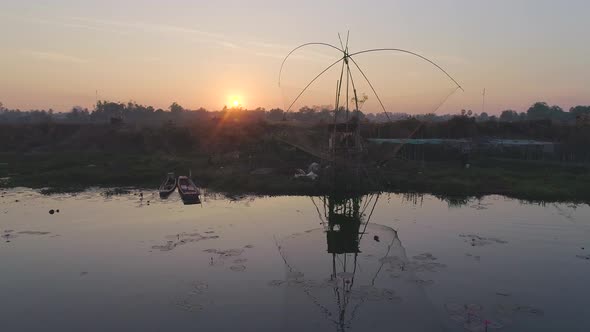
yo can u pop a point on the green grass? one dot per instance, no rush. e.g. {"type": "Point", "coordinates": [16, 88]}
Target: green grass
{"type": "Point", "coordinates": [58, 172]}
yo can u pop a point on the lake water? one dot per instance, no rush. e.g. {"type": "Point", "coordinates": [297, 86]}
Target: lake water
{"type": "Point", "coordinates": [265, 264]}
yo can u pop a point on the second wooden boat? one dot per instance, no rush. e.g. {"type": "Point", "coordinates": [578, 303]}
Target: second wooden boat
{"type": "Point", "coordinates": [188, 190]}
{"type": "Point", "coordinates": [168, 185]}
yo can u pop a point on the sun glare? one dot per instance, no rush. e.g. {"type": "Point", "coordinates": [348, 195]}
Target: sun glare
{"type": "Point", "coordinates": [236, 103]}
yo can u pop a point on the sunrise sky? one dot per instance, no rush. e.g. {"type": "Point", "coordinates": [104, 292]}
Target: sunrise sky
{"type": "Point", "coordinates": [57, 54]}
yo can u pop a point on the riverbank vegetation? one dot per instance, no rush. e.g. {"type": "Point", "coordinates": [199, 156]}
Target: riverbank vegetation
{"type": "Point", "coordinates": [237, 151]}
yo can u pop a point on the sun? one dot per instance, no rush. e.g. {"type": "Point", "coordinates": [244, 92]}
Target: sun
{"type": "Point", "coordinates": [236, 103]}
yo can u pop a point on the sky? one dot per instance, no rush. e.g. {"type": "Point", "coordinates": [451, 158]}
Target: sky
{"type": "Point", "coordinates": [61, 53]}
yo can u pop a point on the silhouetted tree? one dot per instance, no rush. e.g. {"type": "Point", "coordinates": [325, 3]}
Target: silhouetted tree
{"type": "Point", "coordinates": [176, 108]}
{"type": "Point", "coordinates": [275, 114]}
{"type": "Point", "coordinates": [483, 117]}
{"type": "Point", "coordinates": [542, 111]}
{"type": "Point", "coordinates": [509, 116]}
{"type": "Point", "coordinates": [575, 111]}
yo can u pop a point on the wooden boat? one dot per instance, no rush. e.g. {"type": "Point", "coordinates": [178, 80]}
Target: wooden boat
{"type": "Point", "coordinates": [168, 185]}
{"type": "Point", "coordinates": [188, 190]}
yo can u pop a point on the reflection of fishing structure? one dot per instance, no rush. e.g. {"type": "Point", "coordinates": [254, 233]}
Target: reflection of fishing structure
{"type": "Point", "coordinates": [366, 270]}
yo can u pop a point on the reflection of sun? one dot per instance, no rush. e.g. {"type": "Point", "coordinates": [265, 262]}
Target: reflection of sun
{"type": "Point", "coordinates": [236, 103]}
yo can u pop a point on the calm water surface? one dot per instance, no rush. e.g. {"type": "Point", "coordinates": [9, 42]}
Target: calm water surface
{"type": "Point", "coordinates": [291, 264]}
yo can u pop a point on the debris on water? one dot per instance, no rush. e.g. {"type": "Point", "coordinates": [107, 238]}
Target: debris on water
{"type": "Point", "coordinates": [376, 238]}
{"type": "Point", "coordinates": [8, 235]}
{"type": "Point", "coordinates": [425, 257]}
{"type": "Point", "coordinates": [423, 282]}
{"type": "Point", "coordinates": [530, 310]}
{"type": "Point", "coordinates": [198, 287]}
{"type": "Point", "coordinates": [57, 211]}
{"type": "Point", "coordinates": [52, 211]}
{"type": "Point", "coordinates": [423, 263]}
{"type": "Point", "coordinates": [181, 239]}
{"type": "Point", "coordinates": [186, 305]}
{"type": "Point", "coordinates": [276, 283]}
{"type": "Point", "coordinates": [476, 257]}
{"type": "Point", "coordinates": [294, 275]}
{"type": "Point", "coordinates": [230, 252]}
{"type": "Point", "coordinates": [237, 268]}
{"type": "Point", "coordinates": [223, 255]}
{"type": "Point", "coordinates": [502, 293]}
{"type": "Point", "coordinates": [83, 273]}
{"type": "Point", "coordinates": [34, 233]}
{"type": "Point", "coordinates": [371, 293]}
{"type": "Point", "coordinates": [166, 247]}
{"type": "Point", "coordinates": [248, 246]}
{"type": "Point", "coordinates": [216, 262]}
{"type": "Point", "coordinates": [586, 257]}
{"type": "Point", "coordinates": [472, 317]}
{"type": "Point", "coordinates": [478, 241]}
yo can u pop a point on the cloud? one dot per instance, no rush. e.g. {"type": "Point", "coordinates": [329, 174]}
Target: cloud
{"type": "Point", "coordinates": [228, 44]}
{"type": "Point", "coordinates": [69, 24]}
{"type": "Point", "coordinates": [56, 57]}
{"type": "Point", "coordinates": [151, 27]}
{"type": "Point", "coordinates": [255, 48]}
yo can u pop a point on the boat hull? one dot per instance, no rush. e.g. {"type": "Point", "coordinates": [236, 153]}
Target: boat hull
{"type": "Point", "coordinates": [188, 190]}
{"type": "Point", "coordinates": [168, 186]}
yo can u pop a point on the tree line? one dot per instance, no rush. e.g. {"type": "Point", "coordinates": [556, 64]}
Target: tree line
{"type": "Point", "coordinates": [131, 112]}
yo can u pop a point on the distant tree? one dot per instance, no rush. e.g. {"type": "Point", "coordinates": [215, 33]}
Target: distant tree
{"type": "Point", "coordinates": [275, 114]}
{"type": "Point", "coordinates": [483, 117]}
{"type": "Point", "coordinates": [542, 111]}
{"type": "Point", "coordinates": [509, 116]}
{"type": "Point", "coordinates": [176, 108]}
{"type": "Point", "coordinates": [78, 114]}
{"type": "Point", "coordinates": [575, 111]}
{"type": "Point", "coordinates": [538, 111]}
{"type": "Point", "coordinates": [429, 117]}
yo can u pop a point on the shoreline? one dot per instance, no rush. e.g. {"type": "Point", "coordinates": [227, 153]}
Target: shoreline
{"type": "Point", "coordinates": [75, 172]}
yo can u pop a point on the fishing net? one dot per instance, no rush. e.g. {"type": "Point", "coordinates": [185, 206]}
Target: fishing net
{"type": "Point", "coordinates": [345, 281]}
{"type": "Point", "coordinates": [397, 80]}
{"type": "Point", "coordinates": [378, 85]}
